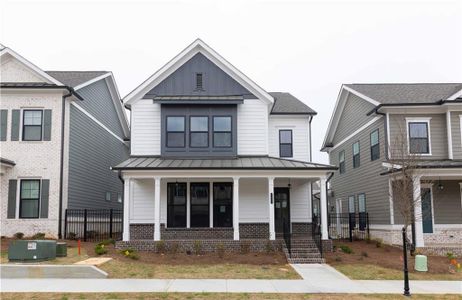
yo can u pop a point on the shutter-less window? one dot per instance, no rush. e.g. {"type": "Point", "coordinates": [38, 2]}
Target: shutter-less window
{"type": "Point", "coordinates": [356, 155]}
{"type": "Point", "coordinates": [3, 124]}
{"type": "Point", "coordinates": [44, 198]}
{"type": "Point", "coordinates": [12, 186]}
{"type": "Point", "coordinates": [15, 119]}
{"type": "Point", "coordinates": [47, 125]}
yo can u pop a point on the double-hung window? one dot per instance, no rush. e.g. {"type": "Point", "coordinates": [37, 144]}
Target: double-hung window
{"type": "Point", "coordinates": [356, 156]}
{"type": "Point", "coordinates": [362, 211]}
{"type": "Point", "coordinates": [29, 198]}
{"type": "Point", "coordinates": [222, 132]}
{"type": "Point", "coordinates": [32, 125]}
{"type": "Point", "coordinates": [418, 138]}
{"type": "Point", "coordinates": [285, 143]}
{"type": "Point", "coordinates": [176, 132]}
{"type": "Point", "coordinates": [341, 161]}
{"type": "Point", "coordinates": [198, 132]}
{"type": "Point", "coordinates": [375, 145]}
{"type": "Point", "coordinates": [352, 211]}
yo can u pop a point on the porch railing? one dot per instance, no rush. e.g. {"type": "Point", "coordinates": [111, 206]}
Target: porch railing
{"type": "Point", "coordinates": [93, 224]}
{"type": "Point", "coordinates": [349, 226]}
{"type": "Point", "coordinates": [287, 235]}
{"type": "Point", "coordinates": [316, 232]}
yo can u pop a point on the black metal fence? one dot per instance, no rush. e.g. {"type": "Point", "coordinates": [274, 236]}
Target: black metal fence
{"type": "Point", "coordinates": [316, 232]}
{"type": "Point", "coordinates": [93, 225]}
{"type": "Point", "coordinates": [351, 226]}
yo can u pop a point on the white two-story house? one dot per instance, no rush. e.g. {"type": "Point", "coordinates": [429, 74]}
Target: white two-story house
{"type": "Point", "coordinates": [215, 157]}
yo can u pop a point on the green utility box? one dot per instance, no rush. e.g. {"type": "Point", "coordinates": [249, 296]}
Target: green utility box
{"type": "Point", "coordinates": [31, 250]}
{"type": "Point", "coordinates": [61, 249]}
{"type": "Point", "coordinates": [421, 263]}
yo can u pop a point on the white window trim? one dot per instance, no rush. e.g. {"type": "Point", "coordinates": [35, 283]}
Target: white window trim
{"type": "Point", "coordinates": [460, 123]}
{"type": "Point", "coordinates": [430, 186]}
{"type": "Point", "coordinates": [21, 122]}
{"type": "Point", "coordinates": [354, 204]}
{"type": "Point", "coordinates": [18, 196]}
{"type": "Point", "coordinates": [421, 120]}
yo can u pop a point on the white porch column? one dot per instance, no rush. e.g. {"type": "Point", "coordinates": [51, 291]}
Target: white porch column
{"type": "Point", "coordinates": [449, 134]}
{"type": "Point", "coordinates": [236, 207]}
{"type": "Point", "coordinates": [272, 233]}
{"type": "Point", "coordinates": [419, 240]}
{"type": "Point", "coordinates": [157, 209]}
{"type": "Point", "coordinates": [126, 231]}
{"type": "Point", "coordinates": [323, 188]}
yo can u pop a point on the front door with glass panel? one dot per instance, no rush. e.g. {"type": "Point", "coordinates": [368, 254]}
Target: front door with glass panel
{"type": "Point", "coordinates": [427, 215]}
{"type": "Point", "coordinates": [281, 208]}
{"type": "Point", "coordinates": [222, 204]}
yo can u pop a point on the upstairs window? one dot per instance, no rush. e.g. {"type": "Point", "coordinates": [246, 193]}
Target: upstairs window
{"type": "Point", "coordinates": [176, 132]}
{"type": "Point", "coordinates": [285, 143]}
{"type": "Point", "coordinates": [341, 162]}
{"type": "Point", "coordinates": [32, 125]}
{"type": "Point", "coordinates": [418, 138]}
{"type": "Point", "coordinates": [222, 132]}
{"type": "Point", "coordinates": [199, 132]}
{"type": "Point", "coordinates": [199, 81]}
{"type": "Point", "coordinates": [356, 156]}
{"type": "Point", "coordinates": [375, 146]}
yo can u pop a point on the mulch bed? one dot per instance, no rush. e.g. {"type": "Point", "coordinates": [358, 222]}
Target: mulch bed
{"type": "Point", "coordinates": [385, 256]}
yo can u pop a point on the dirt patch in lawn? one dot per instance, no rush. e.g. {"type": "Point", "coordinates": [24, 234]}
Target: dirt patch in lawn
{"type": "Point", "coordinates": [386, 260]}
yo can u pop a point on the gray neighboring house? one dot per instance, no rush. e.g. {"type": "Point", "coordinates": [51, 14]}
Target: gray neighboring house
{"type": "Point", "coordinates": [362, 131]}
{"type": "Point", "coordinates": [60, 133]}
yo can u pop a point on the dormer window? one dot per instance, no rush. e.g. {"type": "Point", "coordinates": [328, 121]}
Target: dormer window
{"type": "Point", "coordinates": [199, 81]}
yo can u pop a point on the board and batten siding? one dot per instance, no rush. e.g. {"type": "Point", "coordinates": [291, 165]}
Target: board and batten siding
{"type": "Point", "coordinates": [300, 135]}
{"type": "Point", "coordinates": [145, 128]}
{"type": "Point", "coordinates": [364, 179]}
{"type": "Point", "coordinates": [354, 115]}
{"type": "Point", "coordinates": [252, 128]}
{"type": "Point", "coordinates": [438, 135]}
{"type": "Point", "coordinates": [456, 130]}
{"type": "Point", "coordinates": [92, 151]}
{"type": "Point", "coordinates": [142, 204]}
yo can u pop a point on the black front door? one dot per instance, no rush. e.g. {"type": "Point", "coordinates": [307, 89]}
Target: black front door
{"type": "Point", "coordinates": [281, 208]}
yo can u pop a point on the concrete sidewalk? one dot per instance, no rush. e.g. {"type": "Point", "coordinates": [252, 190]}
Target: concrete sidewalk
{"type": "Point", "coordinates": [317, 279]}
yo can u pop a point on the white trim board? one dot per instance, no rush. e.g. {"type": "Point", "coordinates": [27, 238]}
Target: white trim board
{"type": "Point", "coordinates": [86, 83]}
{"type": "Point", "coordinates": [419, 120]}
{"type": "Point", "coordinates": [356, 132]}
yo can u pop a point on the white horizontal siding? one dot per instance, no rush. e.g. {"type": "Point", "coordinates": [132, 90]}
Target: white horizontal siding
{"type": "Point", "coordinates": [253, 204]}
{"type": "Point", "coordinates": [145, 128]}
{"type": "Point", "coordinates": [252, 128]}
{"type": "Point", "coordinates": [300, 135]}
{"type": "Point", "coordinates": [142, 201]}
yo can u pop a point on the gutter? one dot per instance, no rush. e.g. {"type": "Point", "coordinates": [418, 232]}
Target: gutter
{"type": "Point", "coordinates": [439, 102]}
{"type": "Point", "coordinates": [55, 87]}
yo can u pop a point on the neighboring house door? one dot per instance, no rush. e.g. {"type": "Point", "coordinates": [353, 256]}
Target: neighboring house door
{"type": "Point", "coordinates": [427, 212]}
{"type": "Point", "coordinates": [281, 208]}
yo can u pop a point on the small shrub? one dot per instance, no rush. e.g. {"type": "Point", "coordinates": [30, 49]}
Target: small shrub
{"type": "Point", "coordinates": [346, 249]}
{"type": "Point", "coordinates": [378, 243]}
{"type": "Point", "coordinates": [450, 255]}
{"type": "Point", "coordinates": [130, 253]}
{"type": "Point", "coordinates": [72, 236]}
{"type": "Point", "coordinates": [108, 242]}
{"type": "Point", "coordinates": [364, 254]}
{"type": "Point", "coordinates": [38, 236]}
{"type": "Point", "coordinates": [220, 250]}
{"type": "Point", "coordinates": [174, 247]}
{"type": "Point", "coordinates": [197, 247]}
{"type": "Point", "coordinates": [100, 249]}
{"type": "Point", "coordinates": [269, 247]}
{"type": "Point", "coordinates": [19, 235]}
{"type": "Point", "coordinates": [160, 246]}
{"type": "Point", "coordinates": [245, 247]}
{"type": "Point", "coordinates": [338, 259]}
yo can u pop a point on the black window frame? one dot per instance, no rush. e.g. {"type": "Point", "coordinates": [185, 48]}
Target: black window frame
{"type": "Point", "coordinates": [30, 199]}
{"type": "Point", "coordinates": [230, 131]}
{"type": "Point", "coordinates": [191, 205]}
{"type": "Point", "coordinates": [171, 222]}
{"type": "Point", "coordinates": [356, 157]}
{"type": "Point", "coordinates": [216, 206]}
{"type": "Point", "coordinates": [341, 164]}
{"type": "Point", "coordinates": [199, 81]}
{"type": "Point", "coordinates": [167, 131]}
{"type": "Point", "coordinates": [291, 144]}
{"type": "Point", "coordinates": [191, 131]}
{"type": "Point", "coordinates": [375, 149]}
{"type": "Point", "coordinates": [24, 125]}
{"type": "Point", "coordinates": [427, 126]}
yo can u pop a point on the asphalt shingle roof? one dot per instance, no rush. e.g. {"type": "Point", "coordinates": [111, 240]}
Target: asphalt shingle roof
{"type": "Point", "coordinates": [391, 93]}
{"type": "Point", "coordinates": [75, 78]}
{"type": "Point", "coordinates": [285, 103]}
{"type": "Point", "coordinates": [26, 84]}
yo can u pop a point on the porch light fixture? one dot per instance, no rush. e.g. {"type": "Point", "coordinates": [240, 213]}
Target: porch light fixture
{"type": "Point", "coordinates": [289, 185]}
{"type": "Point", "coordinates": [440, 185]}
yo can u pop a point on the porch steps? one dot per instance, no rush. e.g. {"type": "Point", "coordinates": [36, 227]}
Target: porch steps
{"type": "Point", "coordinates": [303, 251]}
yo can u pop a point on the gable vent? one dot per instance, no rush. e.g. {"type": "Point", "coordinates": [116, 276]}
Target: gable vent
{"type": "Point", "coordinates": [199, 81]}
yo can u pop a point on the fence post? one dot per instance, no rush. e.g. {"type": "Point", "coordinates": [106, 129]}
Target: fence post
{"type": "Point", "coordinates": [65, 224]}
{"type": "Point", "coordinates": [110, 223]}
{"type": "Point", "coordinates": [85, 225]}
{"type": "Point", "coordinates": [350, 230]}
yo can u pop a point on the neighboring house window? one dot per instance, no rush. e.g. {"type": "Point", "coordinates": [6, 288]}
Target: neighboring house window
{"type": "Point", "coordinates": [285, 143]}
{"type": "Point", "coordinates": [199, 198]}
{"type": "Point", "coordinates": [32, 125]}
{"type": "Point", "coordinates": [419, 137]}
{"type": "Point", "coordinates": [176, 132]}
{"type": "Point", "coordinates": [119, 197]}
{"type": "Point", "coordinates": [108, 196]}
{"type": "Point", "coordinates": [222, 133]}
{"type": "Point", "coordinates": [199, 81]}
{"type": "Point", "coordinates": [199, 132]}
{"type": "Point", "coordinates": [341, 161]}
{"type": "Point", "coordinates": [176, 205]}
{"type": "Point", "coordinates": [375, 146]}
{"type": "Point", "coordinates": [352, 211]}
{"type": "Point", "coordinates": [362, 211]}
{"type": "Point", "coordinates": [356, 156]}
{"type": "Point", "coordinates": [29, 199]}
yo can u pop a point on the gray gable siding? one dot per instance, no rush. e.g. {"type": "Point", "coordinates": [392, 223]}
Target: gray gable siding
{"type": "Point", "coordinates": [92, 151]}
{"type": "Point", "coordinates": [365, 179]}
{"type": "Point", "coordinates": [98, 102]}
{"type": "Point", "coordinates": [447, 204]}
{"type": "Point", "coordinates": [354, 115]}
{"type": "Point", "coordinates": [438, 135]}
{"type": "Point", "coordinates": [182, 82]}
{"type": "Point", "coordinates": [456, 134]}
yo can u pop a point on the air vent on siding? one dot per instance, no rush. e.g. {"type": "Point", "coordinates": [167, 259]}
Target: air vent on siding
{"type": "Point", "coordinates": [199, 81]}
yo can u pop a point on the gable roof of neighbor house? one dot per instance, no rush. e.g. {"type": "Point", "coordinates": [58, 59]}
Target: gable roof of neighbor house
{"type": "Point", "coordinates": [75, 78]}
{"type": "Point", "coordinates": [286, 103]}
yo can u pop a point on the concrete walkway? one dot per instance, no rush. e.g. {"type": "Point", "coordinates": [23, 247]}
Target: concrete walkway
{"type": "Point", "coordinates": [317, 279]}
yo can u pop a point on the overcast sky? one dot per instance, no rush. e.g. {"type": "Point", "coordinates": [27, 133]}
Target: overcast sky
{"type": "Point", "coordinates": [307, 48]}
